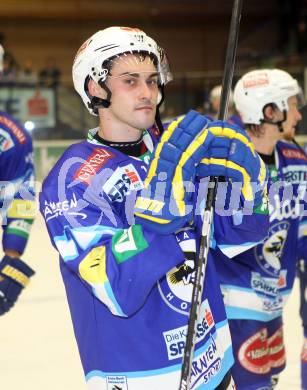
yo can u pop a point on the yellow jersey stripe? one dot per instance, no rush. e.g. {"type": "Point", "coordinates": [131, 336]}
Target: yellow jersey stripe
{"type": "Point", "coordinates": [262, 173]}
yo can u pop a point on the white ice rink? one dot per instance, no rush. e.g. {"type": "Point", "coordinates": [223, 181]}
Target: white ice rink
{"type": "Point", "coordinates": [38, 350]}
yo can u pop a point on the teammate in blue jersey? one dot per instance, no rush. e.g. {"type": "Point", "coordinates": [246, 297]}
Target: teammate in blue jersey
{"type": "Point", "coordinates": [256, 284]}
{"type": "Point", "coordinates": [123, 209]}
{"type": "Point", "coordinates": [302, 273]}
{"type": "Point", "coordinates": [17, 204]}
{"type": "Point", "coordinates": [301, 255]}
{"type": "Point", "coordinates": [17, 208]}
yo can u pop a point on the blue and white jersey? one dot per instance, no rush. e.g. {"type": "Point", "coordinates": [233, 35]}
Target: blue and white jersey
{"type": "Point", "coordinates": [17, 200]}
{"type": "Point", "coordinates": [257, 283]}
{"type": "Point", "coordinates": [128, 288]}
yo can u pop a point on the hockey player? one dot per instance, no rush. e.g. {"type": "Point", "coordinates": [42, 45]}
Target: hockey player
{"type": "Point", "coordinates": [289, 135]}
{"type": "Point", "coordinates": [215, 100]}
{"type": "Point", "coordinates": [119, 209]}
{"type": "Point", "coordinates": [17, 208]}
{"type": "Point", "coordinates": [302, 273]}
{"type": "Point", "coordinates": [256, 284]}
{"type": "Point", "coordinates": [17, 204]}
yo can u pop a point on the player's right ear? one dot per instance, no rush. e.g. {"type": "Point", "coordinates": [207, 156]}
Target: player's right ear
{"type": "Point", "coordinates": [269, 112]}
{"type": "Point", "coordinates": [95, 90]}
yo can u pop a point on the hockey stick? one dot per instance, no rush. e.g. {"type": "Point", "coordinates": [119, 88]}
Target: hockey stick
{"type": "Point", "coordinates": [209, 208]}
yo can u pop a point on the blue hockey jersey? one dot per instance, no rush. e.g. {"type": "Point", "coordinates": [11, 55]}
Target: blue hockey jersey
{"type": "Point", "coordinates": [256, 283]}
{"type": "Point", "coordinates": [128, 290]}
{"type": "Point", "coordinates": [17, 200]}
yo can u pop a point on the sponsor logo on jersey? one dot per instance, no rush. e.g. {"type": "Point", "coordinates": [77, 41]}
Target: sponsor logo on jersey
{"type": "Point", "coordinates": [18, 133]}
{"type": "Point", "coordinates": [258, 354]}
{"type": "Point", "coordinates": [175, 339]}
{"type": "Point", "coordinates": [295, 173]}
{"type": "Point", "coordinates": [122, 182]}
{"type": "Point", "coordinates": [125, 242]}
{"type": "Point", "coordinates": [117, 382]}
{"type": "Point", "coordinates": [254, 353]}
{"type": "Point", "coordinates": [206, 365]}
{"type": "Point", "coordinates": [268, 255]}
{"type": "Point", "coordinates": [128, 242]}
{"type": "Point", "coordinates": [176, 288]}
{"type": "Point", "coordinates": [93, 164]}
{"type": "Point", "coordinates": [273, 305]}
{"type": "Point", "coordinates": [268, 286]}
{"type": "Point", "coordinates": [277, 349]}
{"type": "Point", "coordinates": [6, 142]}
{"type": "Point", "coordinates": [293, 153]}
{"type": "Point", "coordinates": [66, 207]}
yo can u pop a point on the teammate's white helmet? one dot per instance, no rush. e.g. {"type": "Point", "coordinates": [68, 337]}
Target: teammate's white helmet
{"type": "Point", "coordinates": [258, 88]}
{"type": "Point", "coordinates": [216, 92]}
{"type": "Point", "coordinates": [106, 44]}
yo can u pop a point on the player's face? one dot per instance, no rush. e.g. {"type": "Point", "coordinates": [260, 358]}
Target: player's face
{"type": "Point", "coordinates": [293, 117]}
{"type": "Point", "coordinates": [134, 86]}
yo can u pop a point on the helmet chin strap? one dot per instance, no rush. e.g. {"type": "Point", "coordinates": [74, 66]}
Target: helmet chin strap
{"type": "Point", "coordinates": [97, 102]}
{"type": "Point", "coordinates": [278, 123]}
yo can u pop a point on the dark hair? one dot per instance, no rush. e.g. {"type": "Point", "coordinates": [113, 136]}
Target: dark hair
{"type": "Point", "coordinates": [254, 129]}
{"type": "Point", "coordinates": [108, 64]}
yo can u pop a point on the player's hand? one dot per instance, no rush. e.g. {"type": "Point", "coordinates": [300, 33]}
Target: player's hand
{"type": "Point", "coordinates": [232, 155]}
{"type": "Point", "coordinates": [14, 276]}
{"type": "Point", "coordinates": [166, 203]}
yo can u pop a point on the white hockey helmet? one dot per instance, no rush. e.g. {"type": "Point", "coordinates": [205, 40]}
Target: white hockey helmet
{"type": "Point", "coordinates": [258, 88]}
{"type": "Point", "coordinates": [107, 44]}
{"type": "Point", "coordinates": [216, 93]}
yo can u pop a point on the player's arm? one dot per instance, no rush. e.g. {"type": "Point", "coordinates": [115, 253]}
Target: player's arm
{"type": "Point", "coordinates": [239, 232]}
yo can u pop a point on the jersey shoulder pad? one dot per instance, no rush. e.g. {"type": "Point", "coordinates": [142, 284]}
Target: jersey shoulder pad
{"type": "Point", "coordinates": [13, 135]}
{"type": "Point", "coordinates": [291, 153]}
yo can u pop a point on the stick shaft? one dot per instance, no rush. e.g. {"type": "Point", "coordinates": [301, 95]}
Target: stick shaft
{"type": "Point", "coordinates": [209, 208]}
